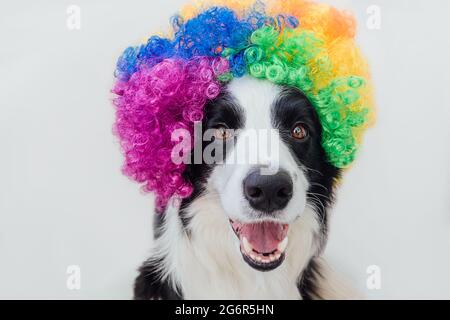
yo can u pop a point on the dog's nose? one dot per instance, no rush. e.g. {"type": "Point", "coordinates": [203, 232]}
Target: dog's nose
{"type": "Point", "coordinates": [268, 193]}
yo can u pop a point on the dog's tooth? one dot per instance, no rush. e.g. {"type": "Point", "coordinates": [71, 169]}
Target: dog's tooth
{"type": "Point", "coordinates": [283, 244]}
{"type": "Point", "coordinates": [253, 257]}
{"type": "Point", "coordinates": [277, 255]}
{"type": "Point", "coordinates": [246, 244]}
{"type": "Point", "coordinates": [272, 257]}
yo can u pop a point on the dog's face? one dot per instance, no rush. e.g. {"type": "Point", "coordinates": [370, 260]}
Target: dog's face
{"type": "Point", "coordinates": [273, 165]}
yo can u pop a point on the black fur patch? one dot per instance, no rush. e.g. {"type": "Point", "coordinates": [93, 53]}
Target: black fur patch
{"type": "Point", "coordinates": [307, 284]}
{"type": "Point", "coordinates": [149, 285]}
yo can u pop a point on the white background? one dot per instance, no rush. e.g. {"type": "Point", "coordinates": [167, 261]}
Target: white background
{"type": "Point", "coordinates": [63, 200]}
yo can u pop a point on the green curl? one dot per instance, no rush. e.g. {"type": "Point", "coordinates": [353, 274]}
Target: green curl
{"type": "Point", "coordinates": [286, 59]}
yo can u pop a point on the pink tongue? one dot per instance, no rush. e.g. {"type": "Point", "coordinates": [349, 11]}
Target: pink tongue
{"type": "Point", "coordinates": [264, 237]}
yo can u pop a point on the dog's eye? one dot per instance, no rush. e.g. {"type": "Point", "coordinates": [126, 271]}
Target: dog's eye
{"type": "Point", "coordinates": [299, 131]}
{"type": "Point", "coordinates": [222, 132]}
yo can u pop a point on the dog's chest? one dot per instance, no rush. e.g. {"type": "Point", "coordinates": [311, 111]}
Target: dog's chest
{"type": "Point", "coordinates": [227, 288]}
{"type": "Point", "coordinates": [210, 266]}
{"type": "Point", "coordinates": [223, 279]}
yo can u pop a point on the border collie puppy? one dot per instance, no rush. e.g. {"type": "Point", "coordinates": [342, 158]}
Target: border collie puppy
{"type": "Point", "coordinates": [245, 233]}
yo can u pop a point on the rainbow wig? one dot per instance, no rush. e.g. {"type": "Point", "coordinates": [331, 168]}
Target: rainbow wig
{"type": "Point", "coordinates": [164, 84]}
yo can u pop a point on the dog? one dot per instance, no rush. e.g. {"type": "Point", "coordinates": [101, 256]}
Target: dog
{"type": "Point", "coordinates": [244, 234]}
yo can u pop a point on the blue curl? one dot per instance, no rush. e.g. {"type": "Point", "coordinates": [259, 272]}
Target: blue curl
{"type": "Point", "coordinates": [238, 65]}
{"type": "Point", "coordinates": [207, 35]}
{"type": "Point", "coordinates": [215, 28]}
{"type": "Point", "coordinates": [127, 64]}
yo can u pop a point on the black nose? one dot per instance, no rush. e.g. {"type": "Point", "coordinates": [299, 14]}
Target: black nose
{"type": "Point", "coordinates": [268, 193]}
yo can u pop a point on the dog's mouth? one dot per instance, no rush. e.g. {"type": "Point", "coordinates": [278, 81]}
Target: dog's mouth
{"type": "Point", "coordinates": [262, 244]}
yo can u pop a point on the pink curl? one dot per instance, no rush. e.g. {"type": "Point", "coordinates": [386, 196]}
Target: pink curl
{"type": "Point", "coordinates": [156, 100]}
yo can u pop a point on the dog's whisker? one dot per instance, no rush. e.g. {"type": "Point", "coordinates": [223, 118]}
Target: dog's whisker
{"type": "Point", "coordinates": [312, 170]}
{"type": "Point", "coordinates": [318, 195]}
{"type": "Point", "coordinates": [319, 185]}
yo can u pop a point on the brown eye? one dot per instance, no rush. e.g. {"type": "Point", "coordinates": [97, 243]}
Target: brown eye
{"type": "Point", "coordinates": [222, 133]}
{"type": "Point", "coordinates": [299, 131]}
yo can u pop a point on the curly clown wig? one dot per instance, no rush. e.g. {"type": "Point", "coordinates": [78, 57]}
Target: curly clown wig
{"type": "Point", "coordinates": [164, 84]}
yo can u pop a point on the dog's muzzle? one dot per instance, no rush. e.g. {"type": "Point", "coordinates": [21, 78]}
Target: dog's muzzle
{"type": "Point", "coordinates": [263, 242]}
